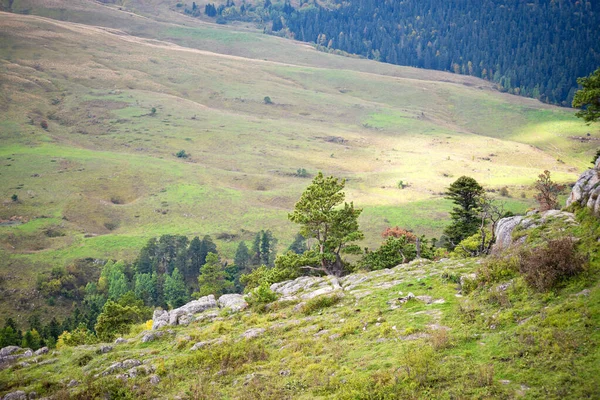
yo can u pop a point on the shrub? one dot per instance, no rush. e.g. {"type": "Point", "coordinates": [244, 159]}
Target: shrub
{"type": "Point", "coordinates": [544, 268]}
{"type": "Point", "coordinates": [548, 192]}
{"type": "Point", "coordinates": [498, 268]}
{"type": "Point", "coordinates": [182, 154]}
{"type": "Point", "coordinates": [14, 198]}
{"type": "Point", "coordinates": [318, 303]}
{"type": "Point", "coordinates": [44, 124]}
{"type": "Point", "coordinates": [268, 100]}
{"type": "Point", "coordinates": [261, 296]}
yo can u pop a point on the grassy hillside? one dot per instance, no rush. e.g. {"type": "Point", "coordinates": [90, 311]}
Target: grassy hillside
{"type": "Point", "coordinates": [103, 177]}
{"type": "Point", "coordinates": [487, 335]}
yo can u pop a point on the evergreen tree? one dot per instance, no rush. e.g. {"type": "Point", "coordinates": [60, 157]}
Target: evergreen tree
{"type": "Point", "coordinates": [242, 257]}
{"type": "Point", "coordinates": [321, 216]}
{"type": "Point", "coordinates": [195, 258]}
{"type": "Point", "coordinates": [32, 340]}
{"type": "Point", "coordinates": [144, 288]}
{"type": "Point", "coordinates": [207, 246]}
{"type": "Point", "coordinates": [175, 292]}
{"type": "Point", "coordinates": [588, 98]}
{"type": "Point", "coordinates": [213, 279]}
{"type": "Point", "coordinates": [298, 246]}
{"type": "Point", "coordinates": [145, 260]}
{"type": "Point", "coordinates": [465, 193]}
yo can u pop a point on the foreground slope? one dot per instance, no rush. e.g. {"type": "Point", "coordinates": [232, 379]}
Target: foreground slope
{"type": "Point", "coordinates": [103, 176]}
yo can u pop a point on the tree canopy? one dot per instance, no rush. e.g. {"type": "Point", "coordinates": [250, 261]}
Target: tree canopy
{"type": "Point", "coordinates": [322, 217]}
{"type": "Point", "coordinates": [588, 98]}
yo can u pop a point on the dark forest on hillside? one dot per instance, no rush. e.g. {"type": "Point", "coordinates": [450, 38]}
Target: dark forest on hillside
{"type": "Point", "coordinates": [535, 48]}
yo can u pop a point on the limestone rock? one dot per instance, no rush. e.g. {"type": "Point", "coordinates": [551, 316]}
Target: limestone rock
{"type": "Point", "coordinates": [306, 287]}
{"type": "Point", "coordinates": [160, 318]}
{"type": "Point", "coordinates": [253, 332]}
{"type": "Point", "coordinates": [155, 379]}
{"type": "Point", "coordinates": [105, 349]}
{"type": "Point", "coordinates": [8, 350]}
{"type": "Point", "coordinates": [506, 226]}
{"type": "Point", "coordinates": [184, 314]}
{"type": "Point", "coordinates": [18, 395]}
{"type": "Point", "coordinates": [586, 191]}
{"type": "Point", "coordinates": [121, 341]}
{"type": "Point", "coordinates": [234, 302]}
{"type": "Point", "coordinates": [504, 230]}
{"type": "Point", "coordinates": [72, 383]}
{"type": "Point", "coordinates": [39, 352]}
{"type": "Point", "coordinates": [149, 336]}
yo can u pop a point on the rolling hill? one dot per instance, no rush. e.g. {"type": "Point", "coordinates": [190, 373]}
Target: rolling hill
{"type": "Point", "coordinates": [123, 88]}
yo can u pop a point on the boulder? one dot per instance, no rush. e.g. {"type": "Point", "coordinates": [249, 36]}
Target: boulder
{"type": "Point", "coordinates": [120, 341]}
{"type": "Point", "coordinates": [253, 332]}
{"type": "Point", "coordinates": [306, 287]}
{"type": "Point", "coordinates": [586, 191]}
{"type": "Point", "coordinates": [234, 302]}
{"type": "Point", "coordinates": [39, 352]}
{"type": "Point", "coordinates": [160, 318]}
{"type": "Point", "coordinates": [506, 226]}
{"type": "Point", "coordinates": [8, 350]}
{"type": "Point", "coordinates": [149, 336]}
{"type": "Point", "coordinates": [18, 395]}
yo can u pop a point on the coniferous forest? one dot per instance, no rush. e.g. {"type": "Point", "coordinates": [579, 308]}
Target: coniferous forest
{"type": "Point", "coordinates": [534, 48]}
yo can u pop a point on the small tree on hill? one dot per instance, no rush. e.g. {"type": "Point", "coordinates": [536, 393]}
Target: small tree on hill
{"type": "Point", "coordinates": [548, 192]}
{"type": "Point", "coordinates": [322, 217]}
{"type": "Point", "coordinates": [465, 192]}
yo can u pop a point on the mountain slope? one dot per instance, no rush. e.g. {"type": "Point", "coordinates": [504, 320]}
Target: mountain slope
{"type": "Point", "coordinates": [103, 177]}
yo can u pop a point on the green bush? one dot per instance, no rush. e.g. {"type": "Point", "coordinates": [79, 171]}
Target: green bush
{"type": "Point", "coordinates": [498, 268]}
{"type": "Point", "coordinates": [261, 296]}
{"type": "Point", "coordinates": [319, 303]}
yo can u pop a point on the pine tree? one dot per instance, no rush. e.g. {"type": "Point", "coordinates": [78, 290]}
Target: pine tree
{"type": "Point", "coordinates": [144, 288]}
{"type": "Point", "coordinates": [175, 292]}
{"type": "Point", "coordinates": [207, 246]}
{"type": "Point", "coordinates": [213, 279]}
{"type": "Point", "coordinates": [195, 257]}
{"type": "Point", "coordinates": [242, 257]}
{"type": "Point", "coordinates": [466, 193]}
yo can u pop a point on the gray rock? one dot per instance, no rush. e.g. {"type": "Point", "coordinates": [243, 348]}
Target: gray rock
{"type": "Point", "coordinates": [32, 395]}
{"type": "Point", "coordinates": [18, 395]}
{"type": "Point", "coordinates": [72, 383]}
{"type": "Point", "coordinates": [149, 336]}
{"type": "Point", "coordinates": [105, 349]}
{"type": "Point", "coordinates": [154, 379]}
{"type": "Point", "coordinates": [121, 341]}
{"type": "Point", "coordinates": [8, 350]}
{"type": "Point", "coordinates": [184, 314]}
{"type": "Point", "coordinates": [285, 372]}
{"type": "Point", "coordinates": [253, 332]}
{"type": "Point", "coordinates": [39, 352]}
{"type": "Point", "coordinates": [586, 191]}
{"type": "Point", "coordinates": [504, 229]}
{"type": "Point", "coordinates": [234, 302]}
{"type": "Point", "coordinates": [131, 363]}
{"type": "Point", "coordinates": [506, 226]}
{"type": "Point", "coordinates": [27, 353]}
{"type": "Point", "coordinates": [200, 345]}
{"type": "Point", "coordinates": [160, 318]}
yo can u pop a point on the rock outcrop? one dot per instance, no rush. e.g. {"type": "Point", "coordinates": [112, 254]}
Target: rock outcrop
{"type": "Point", "coordinates": [586, 191]}
{"type": "Point", "coordinates": [506, 226]}
{"type": "Point", "coordinates": [196, 310]}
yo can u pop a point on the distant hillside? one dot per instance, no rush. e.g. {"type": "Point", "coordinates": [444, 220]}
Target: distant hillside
{"type": "Point", "coordinates": [531, 48]}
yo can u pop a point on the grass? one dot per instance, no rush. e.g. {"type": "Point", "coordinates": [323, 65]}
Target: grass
{"type": "Point", "coordinates": [500, 343]}
{"type": "Point", "coordinates": [105, 170]}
